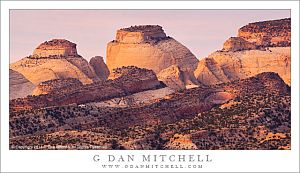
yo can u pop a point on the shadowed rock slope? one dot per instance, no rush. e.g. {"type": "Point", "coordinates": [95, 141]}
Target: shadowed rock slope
{"type": "Point", "coordinates": [19, 86]}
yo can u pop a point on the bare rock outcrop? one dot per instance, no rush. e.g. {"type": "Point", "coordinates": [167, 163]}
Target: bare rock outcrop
{"type": "Point", "coordinates": [245, 56]}
{"type": "Point", "coordinates": [181, 142]}
{"type": "Point", "coordinates": [273, 33]}
{"type": "Point", "coordinates": [55, 84]}
{"type": "Point", "coordinates": [177, 79]}
{"type": "Point", "coordinates": [220, 67]}
{"type": "Point", "coordinates": [99, 67]}
{"type": "Point", "coordinates": [19, 86]}
{"type": "Point", "coordinates": [148, 47]}
{"type": "Point", "coordinates": [209, 72]}
{"type": "Point", "coordinates": [237, 44]}
{"type": "Point", "coordinates": [140, 34]}
{"type": "Point", "coordinates": [55, 59]}
{"type": "Point", "coordinates": [55, 47]}
{"type": "Point", "coordinates": [172, 77]}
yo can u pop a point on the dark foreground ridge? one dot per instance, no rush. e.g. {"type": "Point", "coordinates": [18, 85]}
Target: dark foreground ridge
{"type": "Point", "coordinates": [253, 113]}
{"type": "Point", "coordinates": [129, 80]}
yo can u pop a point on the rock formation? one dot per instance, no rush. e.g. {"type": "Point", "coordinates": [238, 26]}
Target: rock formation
{"type": "Point", "coordinates": [273, 33]}
{"type": "Point", "coordinates": [148, 47]}
{"type": "Point", "coordinates": [56, 84]}
{"type": "Point", "coordinates": [55, 59]}
{"type": "Point", "coordinates": [138, 99]}
{"type": "Point", "coordinates": [126, 81]}
{"type": "Point", "coordinates": [181, 142]}
{"type": "Point", "coordinates": [237, 44]}
{"type": "Point", "coordinates": [140, 34]}
{"type": "Point", "coordinates": [55, 47]}
{"type": "Point", "coordinates": [172, 77]}
{"type": "Point", "coordinates": [246, 56]}
{"type": "Point", "coordinates": [99, 67]}
{"type": "Point", "coordinates": [19, 86]}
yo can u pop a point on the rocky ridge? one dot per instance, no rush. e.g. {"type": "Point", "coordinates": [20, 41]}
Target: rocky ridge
{"type": "Point", "coordinates": [128, 80]}
{"type": "Point", "coordinates": [55, 47]}
{"type": "Point", "coordinates": [272, 33]}
{"type": "Point", "coordinates": [56, 85]}
{"type": "Point", "coordinates": [183, 120]}
{"type": "Point", "coordinates": [245, 56]}
{"type": "Point", "coordinates": [237, 44]}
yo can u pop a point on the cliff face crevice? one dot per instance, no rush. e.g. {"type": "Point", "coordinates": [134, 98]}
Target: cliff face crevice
{"type": "Point", "coordinates": [99, 67]}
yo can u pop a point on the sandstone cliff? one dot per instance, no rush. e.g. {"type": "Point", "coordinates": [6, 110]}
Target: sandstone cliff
{"type": "Point", "coordinates": [273, 33]}
{"type": "Point", "coordinates": [148, 47]}
{"type": "Point", "coordinates": [55, 59]}
{"type": "Point", "coordinates": [99, 67]}
{"type": "Point", "coordinates": [243, 56]}
{"type": "Point", "coordinates": [19, 86]}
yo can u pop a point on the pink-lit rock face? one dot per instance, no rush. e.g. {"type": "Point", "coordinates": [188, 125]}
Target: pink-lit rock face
{"type": "Point", "coordinates": [148, 47]}
{"type": "Point", "coordinates": [55, 47]}
{"type": "Point", "coordinates": [237, 44]}
{"type": "Point", "coordinates": [268, 33]}
{"type": "Point", "coordinates": [259, 47]}
{"type": "Point", "coordinates": [55, 59]}
{"type": "Point", "coordinates": [222, 67]}
{"type": "Point", "coordinates": [139, 34]}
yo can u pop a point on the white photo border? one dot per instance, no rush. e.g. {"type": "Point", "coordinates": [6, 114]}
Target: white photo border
{"type": "Point", "coordinates": [82, 160]}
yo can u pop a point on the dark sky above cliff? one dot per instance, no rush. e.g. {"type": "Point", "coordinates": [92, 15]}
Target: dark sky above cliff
{"type": "Point", "coordinates": [202, 31]}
